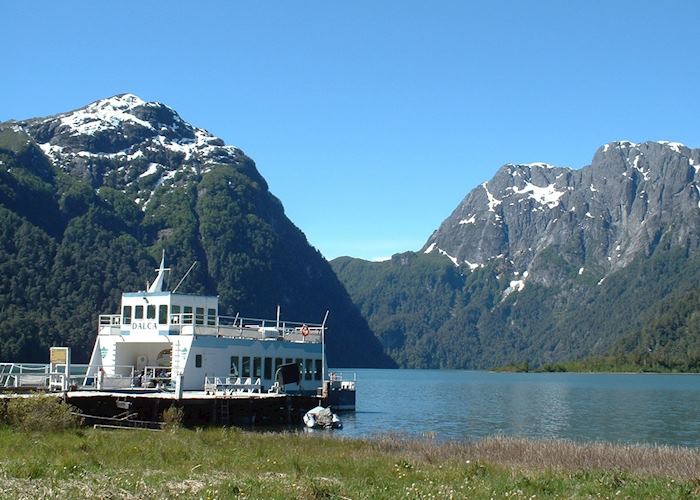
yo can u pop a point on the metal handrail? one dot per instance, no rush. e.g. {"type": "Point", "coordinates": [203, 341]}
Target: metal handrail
{"type": "Point", "coordinates": [225, 326]}
{"type": "Point", "coordinates": [157, 372]}
{"type": "Point", "coordinates": [239, 327]}
{"type": "Point", "coordinates": [232, 384]}
{"type": "Point", "coordinates": [335, 376]}
{"type": "Point", "coordinates": [110, 320]}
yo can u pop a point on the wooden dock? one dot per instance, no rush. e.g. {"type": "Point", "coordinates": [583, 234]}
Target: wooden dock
{"type": "Point", "coordinates": [198, 408]}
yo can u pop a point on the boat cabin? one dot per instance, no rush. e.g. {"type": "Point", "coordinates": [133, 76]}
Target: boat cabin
{"type": "Point", "coordinates": [165, 339]}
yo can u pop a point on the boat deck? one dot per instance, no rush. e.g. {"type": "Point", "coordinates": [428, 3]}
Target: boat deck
{"type": "Point", "coordinates": [166, 395]}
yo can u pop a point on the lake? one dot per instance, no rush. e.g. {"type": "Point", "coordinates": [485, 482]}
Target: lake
{"type": "Point", "coordinates": [467, 405]}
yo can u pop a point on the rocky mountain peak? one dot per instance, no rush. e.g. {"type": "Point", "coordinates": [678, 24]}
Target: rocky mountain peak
{"type": "Point", "coordinates": [596, 218]}
{"type": "Point", "coordinates": [130, 144]}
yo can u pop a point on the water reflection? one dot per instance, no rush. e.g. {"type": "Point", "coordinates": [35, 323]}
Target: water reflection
{"type": "Point", "coordinates": [469, 405]}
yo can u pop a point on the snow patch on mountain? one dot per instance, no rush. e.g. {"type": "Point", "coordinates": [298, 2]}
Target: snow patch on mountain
{"type": "Point", "coordinates": [51, 150]}
{"type": "Point", "coordinates": [514, 286]}
{"type": "Point", "coordinates": [537, 164]}
{"type": "Point", "coordinates": [105, 114]}
{"type": "Point", "coordinates": [548, 195]}
{"type": "Point", "coordinates": [152, 169]}
{"type": "Point", "coordinates": [473, 266]}
{"type": "Point", "coordinates": [453, 259]}
{"type": "Point", "coordinates": [635, 165]}
{"type": "Point", "coordinates": [675, 146]}
{"type": "Point", "coordinates": [493, 201]}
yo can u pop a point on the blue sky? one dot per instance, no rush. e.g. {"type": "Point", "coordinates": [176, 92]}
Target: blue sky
{"type": "Point", "coordinates": [372, 120]}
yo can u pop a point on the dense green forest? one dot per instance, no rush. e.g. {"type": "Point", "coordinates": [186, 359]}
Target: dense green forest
{"type": "Point", "coordinates": [668, 340]}
{"type": "Point", "coordinates": [429, 313]}
{"type": "Point", "coordinates": [68, 249]}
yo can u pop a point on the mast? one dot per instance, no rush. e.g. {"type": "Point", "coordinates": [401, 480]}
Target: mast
{"type": "Point", "coordinates": [157, 285]}
{"type": "Point", "coordinates": [323, 348]}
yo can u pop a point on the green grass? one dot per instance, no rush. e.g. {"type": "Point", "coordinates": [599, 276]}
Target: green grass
{"type": "Point", "coordinates": [228, 463]}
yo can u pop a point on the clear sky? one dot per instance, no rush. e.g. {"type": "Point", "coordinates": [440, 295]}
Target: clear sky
{"type": "Point", "coordinates": [371, 120]}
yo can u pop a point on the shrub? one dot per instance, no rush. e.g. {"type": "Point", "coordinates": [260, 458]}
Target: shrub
{"type": "Point", "coordinates": [172, 417]}
{"type": "Point", "coordinates": [37, 412]}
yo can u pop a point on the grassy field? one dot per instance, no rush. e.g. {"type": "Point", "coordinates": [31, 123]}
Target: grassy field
{"type": "Point", "coordinates": [229, 463]}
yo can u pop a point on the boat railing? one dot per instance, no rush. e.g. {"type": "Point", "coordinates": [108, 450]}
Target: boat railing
{"type": "Point", "coordinates": [342, 377]}
{"type": "Point", "coordinates": [250, 328]}
{"type": "Point", "coordinates": [109, 376]}
{"type": "Point", "coordinates": [109, 323]}
{"type": "Point", "coordinates": [62, 380]}
{"type": "Point", "coordinates": [110, 320]}
{"type": "Point", "coordinates": [42, 375]}
{"type": "Point", "coordinates": [226, 326]}
{"type": "Point", "coordinates": [232, 385]}
{"type": "Point", "coordinates": [161, 372]}
{"type": "Point", "coordinates": [154, 376]}
{"type": "Point", "coordinates": [24, 375]}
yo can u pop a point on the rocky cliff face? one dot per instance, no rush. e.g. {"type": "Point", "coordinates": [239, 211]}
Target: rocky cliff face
{"type": "Point", "coordinates": [599, 217]}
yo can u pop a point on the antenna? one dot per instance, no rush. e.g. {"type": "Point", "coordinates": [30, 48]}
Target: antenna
{"type": "Point", "coordinates": [323, 348]}
{"type": "Point", "coordinates": [185, 276]}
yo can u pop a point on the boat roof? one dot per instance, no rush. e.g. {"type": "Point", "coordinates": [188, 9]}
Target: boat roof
{"type": "Point", "coordinates": [165, 294]}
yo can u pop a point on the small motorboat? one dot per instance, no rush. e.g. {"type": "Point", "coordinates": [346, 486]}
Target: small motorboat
{"type": "Point", "coordinates": [322, 418]}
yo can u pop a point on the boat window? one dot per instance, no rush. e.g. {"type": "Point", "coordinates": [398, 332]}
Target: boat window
{"type": "Point", "coordinates": [319, 370]}
{"type": "Point", "coordinates": [175, 314]}
{"type": "Point", "coordinates": [300, 362]}
{"type": "Point", "coordinates": [309, 369]}
{"type": "Point", "coordinates": [288, 360]}
{"type": "Point", "coordinates": [162, 314]}
{"type": "Point", "coordinates": [211, 317]}
{"type": "Point", "coordinates": [127, 315]}
{"type": "Point", "coordinates": [257, 368]}
{"type": "Point", "coordinates": [278, 363]}
{"type": "Point", "coordinates": [199, 317]}
{"type": "Point", "coordinates": [187, 315]}
{"type": "Point", "coordinates": [138, 312]}
{"type": "Point", "coordinates": [150, 312]}
{"type": "Point", "coordinates": [198, 361]}
{"type": "Point", "coordinates": [234, 366]}
{"type": "Point", "coordinates": [245, 368]}
{"type": "Point", "coordinates": [268, 368]}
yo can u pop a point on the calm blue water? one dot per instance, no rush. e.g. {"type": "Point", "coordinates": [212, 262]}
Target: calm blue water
{"type": "Point", "coordinates": [459, 405]}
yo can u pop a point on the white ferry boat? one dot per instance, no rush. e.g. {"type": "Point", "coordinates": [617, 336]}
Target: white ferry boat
{"type": "Point", "coordinates": [175, 342]}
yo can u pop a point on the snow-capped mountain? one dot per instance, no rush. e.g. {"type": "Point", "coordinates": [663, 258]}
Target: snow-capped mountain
{"type": "Point", "coordinates": [90, 198]}
{"type": "Point", "coordinates": [599, 217]}
{"type": "Point", "coordinates": [129, 144]}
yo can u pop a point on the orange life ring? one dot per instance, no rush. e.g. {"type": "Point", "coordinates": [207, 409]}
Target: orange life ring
{"type": "Point", "coordinates": [304, 330]}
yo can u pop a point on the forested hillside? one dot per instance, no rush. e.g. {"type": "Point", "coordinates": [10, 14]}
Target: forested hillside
{"type": "Point", "coordinates": [88, 202]}
{"type": "Point", "coordinates": [430, 314]}
{"type": "Point", "coordinates": [545, 265]}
